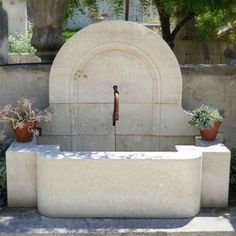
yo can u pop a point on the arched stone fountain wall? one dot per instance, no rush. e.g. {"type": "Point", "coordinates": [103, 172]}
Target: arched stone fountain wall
{"type": "Point", "coordinates": [149, 81]}
{"type": "Point", "coordinates": [128, 184]}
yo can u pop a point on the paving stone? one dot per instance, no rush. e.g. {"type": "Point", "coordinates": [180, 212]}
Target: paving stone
{"type": "Point", "coordinates": [28, 221]}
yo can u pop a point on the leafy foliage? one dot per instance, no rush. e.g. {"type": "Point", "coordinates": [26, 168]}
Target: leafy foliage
{"type": "Point", "coordinates": [92, 6]}
{"type": "Point", "coordinates": [233, 166]}
{"type": "Point", "coordinates": [20, 43]}
{"type": "Point", "coordinates": [3, 148]}
{"type": "Point", "coordinates": [23, 112]}
{"type": "Point", "coordinates": [230, 32]}
{"type": "Point", "coordinates": [209, 15]}
{"type": "Point", "coordinates": [207, 23]}
{"type": "Point", "coordinates": [68, 33]}
{"type": "Point", "coordinates": [204, 117]}
{"type": "Point", "coordinates": [3, 184]}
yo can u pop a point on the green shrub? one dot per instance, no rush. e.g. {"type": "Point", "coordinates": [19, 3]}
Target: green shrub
{"type": "Point", "coordinates": [3, 185]}
{"type": "Point", "coordinates": [20, 43]}
{"type": "Point", "coordinates": [4, 144]}
{"type": "Point", "coordinates": [204, 117]}
{"type": "Point", "coordinates": [3, 178]}
{"type": "Point", "coordinates": [233, 166]}
{"type": "Point", "coordinates": [68, 33]}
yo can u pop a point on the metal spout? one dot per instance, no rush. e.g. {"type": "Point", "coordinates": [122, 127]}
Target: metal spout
{"type": "Point", "coordinates": [116, 105]}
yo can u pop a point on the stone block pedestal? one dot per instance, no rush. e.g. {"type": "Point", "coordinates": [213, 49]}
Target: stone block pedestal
{"type": "Point", "coordinates": [215, 171]}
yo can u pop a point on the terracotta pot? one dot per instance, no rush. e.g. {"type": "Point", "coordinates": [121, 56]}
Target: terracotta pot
{"type": "Point", "coordinates": [210, 134]}
{"type": "Point", "coordinates": [25, 133]}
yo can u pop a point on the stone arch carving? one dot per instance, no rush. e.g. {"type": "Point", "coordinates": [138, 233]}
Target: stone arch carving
{"type": "Point", "coordinates": [113, 34]}
{"type": "Point", "coordinates": [78, 70]}
{"type": "Point", "coordinates": [149, 79]}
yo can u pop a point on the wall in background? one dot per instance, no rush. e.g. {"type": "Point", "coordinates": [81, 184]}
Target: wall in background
{"type": "Point", "coordinates": [202, 84]}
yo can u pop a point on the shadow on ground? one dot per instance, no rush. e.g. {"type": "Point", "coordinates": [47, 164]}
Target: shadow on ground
{"type": "Point", "coordinates": [30, 221]}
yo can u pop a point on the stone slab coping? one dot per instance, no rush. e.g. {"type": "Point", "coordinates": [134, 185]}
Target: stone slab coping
{"type": "Point", "coordinates": [185, 148]}
{"type": "Point", "coordinates": [22, 221]}
{"type": "Point", "coordinates": [31, 147]}
{"type": "Point", "coordinates": [53, 152]}
{"type": "Point", "coordinates": [206, 146]}
{"type": "Point", "coordinates": [199, 142]}
{"type": "Point", "coordinates": [121, 155]}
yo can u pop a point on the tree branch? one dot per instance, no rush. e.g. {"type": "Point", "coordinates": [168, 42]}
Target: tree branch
{"type": "Point", "coordinates": [165, 26]}
{"type": "Point", "coordinates": [187, 18]}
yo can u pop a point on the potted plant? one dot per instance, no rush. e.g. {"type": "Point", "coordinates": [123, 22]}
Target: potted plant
{"type": "Point", "coordinates": [207, 120]}
{"type": "Point", "coordinates": [23, 119]}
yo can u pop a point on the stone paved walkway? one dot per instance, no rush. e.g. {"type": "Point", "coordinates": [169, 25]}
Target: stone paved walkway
{"type": "Point", "coordinates": [217, 222]}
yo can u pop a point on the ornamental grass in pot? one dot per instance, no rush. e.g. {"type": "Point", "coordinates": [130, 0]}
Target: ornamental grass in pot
{"type": "Point", "coordinates": [207, 120]}
{"type": "Point", "coordinates": [23, 118]}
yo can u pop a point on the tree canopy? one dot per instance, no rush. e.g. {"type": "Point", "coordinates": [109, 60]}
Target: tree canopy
{"type": "Point", "coordinates": [209, 15]}
{"type": "Point", "coordinates": [92, 6]}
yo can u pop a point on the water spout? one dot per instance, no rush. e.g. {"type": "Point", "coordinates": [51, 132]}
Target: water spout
{"type": "Point", "coordinates": [116, 105]}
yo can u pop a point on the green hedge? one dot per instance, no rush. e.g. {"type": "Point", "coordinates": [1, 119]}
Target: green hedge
{"type": "Point", "coordinates": [68, 33]}
{"type": "Point", "coordinates": [233, 167]}
{"type": "Point", "coordinates": [20, 43]}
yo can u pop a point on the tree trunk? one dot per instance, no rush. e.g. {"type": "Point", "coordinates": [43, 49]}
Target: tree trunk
{"type": "Point", "coordinates": [165, 28]}
{"type": "Point", "coordinates": [167, 35]}
{"type": "Point", "coordinates": [205, 52]}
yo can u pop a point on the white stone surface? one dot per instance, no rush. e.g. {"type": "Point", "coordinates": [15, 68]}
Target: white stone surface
{"type": "Point", "coordinates": [148, 77]}
{"type": "Point", "coordinates": [93, 142]}
{"type": "Point", "coordinates": [65, 141]}
{"type": "Point", "coordinates": [93, 119]}
{"type": "Point", "coordinates": [128, 41]}
{"type": "Point", "coordinates": [118, 184]}
{"type": "Point", "coordinates": [215, 172]}
{"type": "Point", "coordinates": [137, 119]}
{"type": "Point", "coordinates": [60, 123]}
{"type": "Point", "coordinates": [174, 121]}
{"type": "Point", "coordinates": [113, 184]}
{"type": "Point", "coordinates": [150, 142]}
{"type": "Point", "coordinates": [137, 143]}
{"type": "Point", "coordinates": [21, 173]}
{"type": "Point", "coordinates": [115, 65]}
{"type": "Point", "coordinates": [168, 143]}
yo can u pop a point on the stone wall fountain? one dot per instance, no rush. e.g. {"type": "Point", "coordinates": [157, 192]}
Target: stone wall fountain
{"type": "Point", "coordinates": [147, 74]}
{"type": "Point", "coordinates": [86, 178]}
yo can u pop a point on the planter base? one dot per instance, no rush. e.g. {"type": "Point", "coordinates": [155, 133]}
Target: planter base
{"type": "Point", "coordinates": [25, 134]}
{"type": "Point", "coordinates": [210, 134]}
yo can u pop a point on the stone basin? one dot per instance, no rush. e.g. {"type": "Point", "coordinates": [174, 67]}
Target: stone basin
{"type": "Point", "coordinates": [119, 184]}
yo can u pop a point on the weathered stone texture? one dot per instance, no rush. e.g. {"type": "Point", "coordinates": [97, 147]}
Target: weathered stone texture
{"type": "Point", "coordinates": [146, 72]}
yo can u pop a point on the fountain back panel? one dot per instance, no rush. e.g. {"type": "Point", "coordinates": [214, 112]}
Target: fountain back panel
{"type": "Point", "coordinates": [148, 76]}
